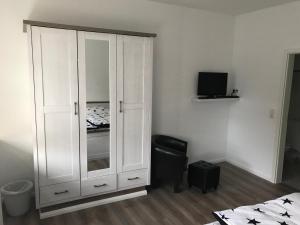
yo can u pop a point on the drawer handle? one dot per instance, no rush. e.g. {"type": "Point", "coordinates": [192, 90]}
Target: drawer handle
{"type": "Point", "coordinates": [121, 106]}
{"type": "Point", "coordinates": [100, 185]}
{"type": "Point", "coordinates": [134, 178]}
{"type": "Point", "coordinates": [75, 108]}
{"type": "Point", "coordinates": [62, 192]}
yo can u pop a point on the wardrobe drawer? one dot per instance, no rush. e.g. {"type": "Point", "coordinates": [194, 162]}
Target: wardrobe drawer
{"type": "Point", "coordinates": [133, 178]}
{"type": "Point", "coordinates": [59, 192]}
{"type": "Point", "coordinates": [99, 185]}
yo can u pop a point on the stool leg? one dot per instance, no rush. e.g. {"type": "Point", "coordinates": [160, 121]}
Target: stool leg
{"type": "Point", "coordinates": [177, 183]}
{"type": "Point", "coordinates": [155, 183]}
{"type": "Point", "coordinates": [177, 188]}
{"type": "Point", "coordinates": [189, 182]}
{"type": "Point", "coordinates": [204, 186]}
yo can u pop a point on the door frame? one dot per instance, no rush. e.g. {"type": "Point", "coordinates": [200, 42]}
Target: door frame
{"type": "Point", "coordinates": [288, 66]}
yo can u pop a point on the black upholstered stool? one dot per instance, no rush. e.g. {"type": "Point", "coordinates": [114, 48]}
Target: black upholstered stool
{"type": "Point", "coordinates": [203, 175]}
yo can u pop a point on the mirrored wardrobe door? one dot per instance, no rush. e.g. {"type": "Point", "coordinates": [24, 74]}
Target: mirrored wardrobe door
{"type": "Point", "coordinates": [97, 100]}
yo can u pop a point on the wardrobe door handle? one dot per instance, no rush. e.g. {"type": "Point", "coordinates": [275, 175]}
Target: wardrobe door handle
{"type": "Point", "coordinates": [121, 106]}
{"type": "Point", "coordinates": [75, 108]}
{"type": "Point", "coordinates": [62, 192]}
{"type": "Point", "coordinates": [100, 185]}
{"type": "Point", "coordinates": [134, 178]}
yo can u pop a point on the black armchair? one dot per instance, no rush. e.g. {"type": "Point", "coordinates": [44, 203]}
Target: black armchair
{"type": "Point", "coordinates": [169, 160]}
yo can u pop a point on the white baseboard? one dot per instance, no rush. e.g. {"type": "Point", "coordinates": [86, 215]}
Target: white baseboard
{"type": "Point", "coordinates": [217, 160]}
{"type": "Point", "coordinates": [44, 215]}
{"type": "Point", "coordinates": [250, 170]}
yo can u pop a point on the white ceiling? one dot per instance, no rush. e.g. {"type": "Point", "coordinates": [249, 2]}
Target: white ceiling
{"type": "Point", "coordinates": [233, 7]}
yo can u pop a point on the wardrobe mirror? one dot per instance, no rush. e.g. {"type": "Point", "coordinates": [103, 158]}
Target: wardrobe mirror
{"type": "Point", "coordinates": [97, 104]}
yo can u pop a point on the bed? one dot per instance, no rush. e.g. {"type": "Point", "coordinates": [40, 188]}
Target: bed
{"type": "Point", "coordinates": [97, 117]}
{"type": "Point", "coordinates": [281, 211]}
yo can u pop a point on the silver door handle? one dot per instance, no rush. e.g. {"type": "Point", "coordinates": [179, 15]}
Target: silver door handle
{"type": "Point", "coordinates": [134, 178]}
{"type": "Point", "coordinates": [100, 185]}
{"type": "Point", "coordinates": [62, 192]}
{"type": "Point", "coordinates": [75, 108]}
{"type": "Point", "coordinates": [121, 106]}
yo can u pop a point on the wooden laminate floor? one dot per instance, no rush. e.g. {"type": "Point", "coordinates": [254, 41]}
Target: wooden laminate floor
{"type": "Point", "coordinates": [98, 164]}
{"type": "Point", "coordinates": [162, 206]}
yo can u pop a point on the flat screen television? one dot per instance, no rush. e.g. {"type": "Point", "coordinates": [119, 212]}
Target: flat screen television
{"type": "Point", "coordinates": [212, 84]}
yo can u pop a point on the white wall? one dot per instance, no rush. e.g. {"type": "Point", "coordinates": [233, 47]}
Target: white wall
{"type": "Point", "coordinates": [188, 41]}
{"type": "Point", "coordinates": [261, 39]}
{"type": "Point", "coordinates": [204, 125]}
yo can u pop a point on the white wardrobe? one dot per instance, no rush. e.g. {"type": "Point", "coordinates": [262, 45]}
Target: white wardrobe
{"type": "Point", "coordinates": [92, 95]}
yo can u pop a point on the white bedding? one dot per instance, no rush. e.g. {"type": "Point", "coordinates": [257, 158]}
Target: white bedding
{"type": "Point", "coordinates": [281, 211]}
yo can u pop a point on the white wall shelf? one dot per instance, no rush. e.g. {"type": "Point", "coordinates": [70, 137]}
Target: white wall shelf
{"type": "Point", "coordinates": [195, 99]}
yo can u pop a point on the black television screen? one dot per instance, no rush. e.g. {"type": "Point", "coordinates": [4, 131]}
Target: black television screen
{"type": "Point", "coordinates": [212, 84]}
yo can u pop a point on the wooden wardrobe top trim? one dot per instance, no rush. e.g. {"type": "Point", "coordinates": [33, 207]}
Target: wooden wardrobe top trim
{"type": "Point", "coordinates": [83, 28]}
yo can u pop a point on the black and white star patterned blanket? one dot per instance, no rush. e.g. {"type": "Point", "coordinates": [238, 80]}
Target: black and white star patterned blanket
{"type": "Point", "coordinates": [281, 211]}
{"type": "Point", "coordinates": [97, 116]}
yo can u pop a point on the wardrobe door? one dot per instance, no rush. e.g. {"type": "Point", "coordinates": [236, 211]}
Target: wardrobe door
{"type": "Point", "coordinates": [97, 91]}
{"type": "Point", "coordinates": [56, 98]}
{"type": "Point", "coordinates": [134, 58]}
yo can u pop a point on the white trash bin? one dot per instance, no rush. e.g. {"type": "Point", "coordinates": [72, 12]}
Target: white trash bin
{"type": "Point", "coordinates": [17, 197]}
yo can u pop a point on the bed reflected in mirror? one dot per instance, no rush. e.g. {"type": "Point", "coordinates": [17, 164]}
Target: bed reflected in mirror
{"type": "Point", "coordinates": [97, 104]}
